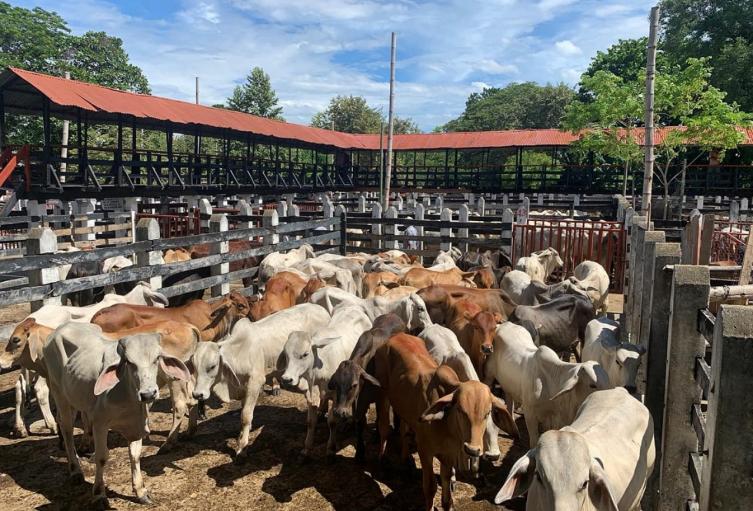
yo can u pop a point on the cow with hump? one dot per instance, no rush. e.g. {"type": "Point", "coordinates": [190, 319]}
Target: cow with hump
{"type": "Point", "coordinates": [113, 383]}
{"type": "Point", "coordinates": [600, 462]}
{"type": "Point", "coordinates": [447, 416]}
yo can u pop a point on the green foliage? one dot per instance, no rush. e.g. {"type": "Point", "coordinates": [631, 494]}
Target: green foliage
{"type": "Point", "coordinates": [516, 106]}
{"type": "Point", "coordinates": [32, 39]}
{"type": "Point", "coordinates": [720, 29]}
{"type": "Point", "coordinates": [256, 96]}
{"type": "Point", "coordinates": [352, 114]}
{"type": "Point", "coordinates": [626, 59]}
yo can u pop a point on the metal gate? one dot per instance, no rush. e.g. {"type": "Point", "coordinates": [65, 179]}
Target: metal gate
{"type": "Point", "coordinates": [576, 241]}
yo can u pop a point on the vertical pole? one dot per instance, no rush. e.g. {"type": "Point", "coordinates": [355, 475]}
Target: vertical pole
{"type": "Point", "coordinates": [147, 229]}
{"type": "Point", "coordinates": [42, 240]}
{"type": "Point", "coordinates": [390, 122]}
{"type": "Point", "coordinates": [64, 138]}
{"type": "Point", "coordinates": [648, 167]}
{"type": "Point", "coordinates": [445, 231]}
{"type": "Point", "coordinates": [197, 90]}
{"type": "Point", "coordinates": [343, 232]}
{"type": "Point", "coordinates": [381, 161]}
{"type": "Point", "coordinates": [376, 227]}
{"type": "Point", "coordinates": [218, 223]}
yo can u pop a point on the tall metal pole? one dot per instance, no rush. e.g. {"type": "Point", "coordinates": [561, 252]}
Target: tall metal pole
{"type": "Point", "coordinates": [64, 141]}
{"type": "Point", "coordinates": [648, 167]}
{"type": "Point", "coordinates": [390, 125]}
{"type": "Point", "coordinates": [197, 90]}
{"type": "Point", "coordinates": [381, 161]}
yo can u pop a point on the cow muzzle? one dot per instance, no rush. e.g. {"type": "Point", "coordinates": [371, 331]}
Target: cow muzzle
{"type": "Point", "coordinates": [487, 349]}
{"type": "Point", "coordinates": [473, 452]}
{"type": "Point", "coordinates": [286, 380]}
{"type": "Point", "coordinates": [148, 396]}
{"type": "Point", "coordinates": [200, 396]}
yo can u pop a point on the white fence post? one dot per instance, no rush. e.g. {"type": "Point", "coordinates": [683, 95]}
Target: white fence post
{"type": "Point", "coordinates": [205, 208]}
{"type": "Point", "coordinates": [445, 232]}
{"type": "Point", "coordinates": [734, 211]}
{"type": "Point", "coordinates": [84, 207]}
{"type": "Point", "coordinates": [218, 223]}
{"type": "Point", "coordinates": [506, 235]}
{"type": "Point", "coordinates": [271, 220]}
{"type": "Point", "coordinates": [481, 206]}
{"type": "Point", "coordinates": [420, 215]}
{"type": "Point", "coordinates": [463, 216]}
{"type": "Point", "coordinates": [244, 209]}
{"type": "Point", "coordinates": [147, 229]}
{"type": "Point", "coordinates": [361, 204]}
{"type": "Point", "coordinates": [42, 240]}
{"type": "Point", "coordinates": [376, 227]}
{"type": "Point", "coordinates": [390, 230]}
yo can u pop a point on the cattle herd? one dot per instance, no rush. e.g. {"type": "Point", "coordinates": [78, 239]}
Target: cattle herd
{"type": "Point", "coordinates": [450, 355]}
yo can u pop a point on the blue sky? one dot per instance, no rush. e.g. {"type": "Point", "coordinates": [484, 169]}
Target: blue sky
{"type": "Point", "coordinates": [315, 49]}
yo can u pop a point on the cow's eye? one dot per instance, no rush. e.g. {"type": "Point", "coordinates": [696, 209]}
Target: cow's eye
{"type": "Point", "coordinates": [304, 355]}
{"type": "Point", "coordinates": [212, 368]}
{"type": "Point", "coordinates": [584, 486]}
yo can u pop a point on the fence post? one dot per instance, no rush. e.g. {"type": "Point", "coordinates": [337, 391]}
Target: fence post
{"type": "Point", "coordinates": [42, 240]}
{"type": "Point", "coordinates": [727, 483]}
{"type": "Point", "coordinates": [147, 229]}
{"type": "Point", "coordinates": [361, 204]}
{"type": "Point", "coordinates": [445, 232]}
{"type": "Point", "coordinates": [734, 211]}
{"type": "Point", "coordinates": [506, 234]}
{"type": "Point", "coordinates": [651, 238]}
{"type": "Point", "coordinates": [744, 209]}
{"type": "Point", "coordinates": [638, 228]}
{"type": "Point", "coordinates": [343, 231]}
{"type": "Point", "coordinates": [440, 204]}
{"type": "Point", "coordinates": [690, 292]}
{"type": "Point", "coordinates": [420, 215]}
{"type": "Point", "coordinates": [463, 215]}
{"type": "Point", "coordinates": [270, 220]}
{"type": "Point", "coordinates": [376, 227]}
{"type": "Point", "coordinates": [691, 238]}
{"type": "Point", "coordinates": [390, 230]}
{"type": "Point", "coordinates": [205, 209]}
{"type": "Point", "coordinates": [218, 223]}
{"type": "Point", "coordinates": [655, 360]}
{"type": "Point", "coordinates": [84, 207]}
{"type": "Point", "coordinates": [399, 202]}
{"type": "Point", "coordinates": [244, 209]}
{"type": "Point", "coordinates": [481, 206]}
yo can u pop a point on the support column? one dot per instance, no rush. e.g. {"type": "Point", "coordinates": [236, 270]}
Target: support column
{"type": "Point", "coordinates": [218, 223]}
{"type": "Point", "coordinates": [376, 227]}
{"type": "Point", "coordinates": [463, 232]}
{"type": "Point", "coordinates": [205, 210]}
{"type": "Point", "coordinates": [506, 234]}
{"type": "Point", "coordinates": [445, 232]}
{"type": "Point", "coordinates": [147, 229]}
{"type": "Point", "coordinates": [390, 230]}
{"type": "Point", "coordinates": [42, 240]}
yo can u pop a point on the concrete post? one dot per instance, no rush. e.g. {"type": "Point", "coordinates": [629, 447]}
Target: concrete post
{"type": "Point", "coordinates": [147, 229]}
{"type": "Point", "coordinates": [376, 227]}
{"type": "Point", "coordinates": [718, 199]}
{"type": "Point", "coordinates": [399, 202]}
{"type": "Point", "coordinates": [420, 215]}
{"type": "Point", "coordinates": [35, 209]}
{"type": "Point", "coordinates": [221, 201]}
{"type": "Point", "coordinates": [205, 209]}
{"type": "Point", "coordinates": [481, 206]}
{"type": "Point", "coordinates": [218, 223]}
{"type": "Point", "coordinates": [727, 483]}
{"type": "Point", "coordinates": [637, 231]}
{"type": "Point", "coordinates": [734, 211]}
{"type": "Point", "coordinates": [440, 204]}
{"type": "Point", "coordinates": [445, 232]}
{"type": "Point", "coordinates": [463, 216]}
{"type": "Point", "coordinates": [744, 209]}
{"type": "Point", "coordinates": [651, 238]}
{"type": "Point", "coordinates": [328, 209]}
{"type": "Point", "coordinates": [83, 208]}
{"type": "Point", "coordinates": [390, 230]}
{"type": "Point", "coordinates": [655, 360]}
{"type": "Point", "coordinates": [361, 204]}
{"type": "Point", "coordinates": [506, 234]}
{"type": "Point", "coordinates": [271, 220]}
{"type": "Point", "coordinates": [42, 240]}
{"type": "Point", "coordinates": [576, 200]}
{"type": "Point", "coordinates": [244, 209]}
{"type": "Point", "coordinates": [282, 209]}
{"type": "Point", "coordinates": [690, 291]}
{"type": "Point", "coordinates": [289, 200]}
{"type": "Point", "coordinates": [505, 200]}
{"type": "Point", "coordinates": [540, 199]}
{"type": "Point", "coordinates": [699, 202]}
{"type": "Point", "coordinates": [521, 215]}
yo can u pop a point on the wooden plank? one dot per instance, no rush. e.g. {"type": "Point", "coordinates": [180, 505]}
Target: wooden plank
{"type": "Point", "coordinates": [699, 423]}
{"type": "Point", "coordinates": [706, 322]}
{"type": "Point", "coordinates": [695, 469]}
{"type": "Point", "coordinates": [208, 282]}
{"type": "Point", "coordinates": [703, 376]}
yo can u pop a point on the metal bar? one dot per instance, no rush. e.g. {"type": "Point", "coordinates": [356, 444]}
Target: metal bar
{"type": "Point", "coordinates": [722, 293]}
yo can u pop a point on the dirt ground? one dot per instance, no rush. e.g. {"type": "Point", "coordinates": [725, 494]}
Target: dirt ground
{"type": "Point", "coordinates": [201, 474]}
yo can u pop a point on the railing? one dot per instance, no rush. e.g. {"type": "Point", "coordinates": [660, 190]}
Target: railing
{"type": "Point", "coordinates": [729, 239]}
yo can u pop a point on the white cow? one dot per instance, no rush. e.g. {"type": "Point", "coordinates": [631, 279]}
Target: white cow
{"type": "Point", "coordinates": [277, 262]}
{"type": "Point", "coordinates": [113, 384]}
{"type": "Point", "coordinates": [592, 278]}
{"type": "Point", "coordinates": [237, 367]}
{"type": "Point", "coordinates": [620, 360]}
{"type": "Point", "coordinates": [600, 462]}
{"type": "Point", "coordinates": [444, 348]}
{"type": "Point", "coordinates": [411, 308]}
{"type": "Point", "coordinates": [55, 315]}
{"type": "Point", "coordinates": [524, 291]}
{"type": "Point", "coordinates": [310, 360]}
{"type": "Point", "coordinates": [332, 274]}
{"type": "Point", "coordinates": [540, 265]}
{"type": "Point", "coordinates": [549, 390]}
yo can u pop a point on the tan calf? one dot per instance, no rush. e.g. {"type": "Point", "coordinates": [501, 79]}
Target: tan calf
{"type": "Point", "coordinates": [422, 277]}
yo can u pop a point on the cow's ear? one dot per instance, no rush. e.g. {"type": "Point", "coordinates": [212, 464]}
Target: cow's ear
{"type": "Point", "coordinates": [566, 384]}
{"type": "Point", "coordinates": [107, 379]}
{"type": "Point", "coordinates": [190, 366]}
{"type": "Point", "coordinates": [229, 373]}
{"type": "Point", "coordinates": [35, 343]}
{"type": "Point", "coordinates": [220, 311]}
{"type": "Point", "coordinates": [503, 418]}
{"type": "Point", "coordinates": [519, 479]}
{"type": "Point", "coordinates": [498, 317]}
{"type": "Point", "coordinates": [174, 368]}
{"type": "Point", "coordinates": [321, 343]}
{"type": "Point", "coordinates": [437, 409]}
{"type": "Point", "coordinates": [599, 489]}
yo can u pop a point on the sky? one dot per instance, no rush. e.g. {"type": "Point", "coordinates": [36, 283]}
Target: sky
{"type": "Point", "coordinates": [316, 49]}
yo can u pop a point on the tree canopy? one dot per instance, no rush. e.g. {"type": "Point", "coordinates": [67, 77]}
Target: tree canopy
{"type": "Point", "coordinates": [352, 114]}
{"type": "Point", "coordinates": [515, 106]}
{"type": "Point", "coordinates": [720, 29]}
{"type": "Point", "coordinates": [256, 96]}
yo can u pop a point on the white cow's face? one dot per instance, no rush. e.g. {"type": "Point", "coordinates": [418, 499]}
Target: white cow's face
{"type": "Point", "coordinates": [415, 314]}
{"type": "Point", "coordinates": [627, 360]}
{"type": "Point", "coordinates": [207, 363]}
{"type": "Point", "coordinates": [299, 358]}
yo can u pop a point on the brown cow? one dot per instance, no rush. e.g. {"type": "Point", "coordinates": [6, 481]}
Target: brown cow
{"type": "Point", "coordinates": [422, 277]}
{"type": "Point", "coordinates": [373, 281]}
{"type": "Point", "coordinates": [475, 330]}
{"type": "Point", "coordinates": [484, 278]}
{"type": "Point", "coordinates": [395, 293]}
{"type": "Point", "coordinates": [214, 321]}
{"type": "Point", "coordinates": [351, 396]}
{"type": "Point", "coordinates": [447, 416]}
{"type": "Point", "coordinates": [439, 299]}
{"type": "Point", "coordinates": [176, 255]}
{"type": "Point", "coordinates": [281, 292]}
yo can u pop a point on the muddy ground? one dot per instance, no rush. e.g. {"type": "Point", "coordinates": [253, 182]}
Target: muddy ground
{"type": "Point", "coordinates": [200, 473]}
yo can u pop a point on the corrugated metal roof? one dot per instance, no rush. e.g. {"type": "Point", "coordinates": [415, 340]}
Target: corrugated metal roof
{"type": "Point", "coordinates": [96, 98]}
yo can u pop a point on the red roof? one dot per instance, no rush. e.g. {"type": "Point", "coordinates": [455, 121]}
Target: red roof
{"type": "Point", "coordinates": [96, 98]}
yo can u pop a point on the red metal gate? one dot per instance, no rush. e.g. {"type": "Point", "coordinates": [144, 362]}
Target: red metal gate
{"type": "Point", "coordinates": [176, 225]}
{"type": "Point", "coordinates": [576, 241]}
{"type": "Point", "coordinates": [729, 240]}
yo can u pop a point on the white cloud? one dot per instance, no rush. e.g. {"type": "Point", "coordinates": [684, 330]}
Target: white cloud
{"type": "Point", "coordinates": [315, 49]}
{"type": "Point", "coordinates": [567, 48]}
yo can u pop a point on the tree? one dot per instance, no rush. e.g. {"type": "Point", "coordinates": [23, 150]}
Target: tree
{"type": "Point", "coordinates": [610, 113]}
{"type": "Point", "coordinates": [403, 126]}
{"type": "Point", "coordinates": [256, 96]}
{"type": "Point", "coordinates": [720, 29]}
{"type": "Point", "coordinates": [516, 106]}
{"type": "Point", "coordinates": [626, 59]}
{"type": "Point", "coordinates": [350, 114]}
{"type": "Point", "coordinates": [683, 97]}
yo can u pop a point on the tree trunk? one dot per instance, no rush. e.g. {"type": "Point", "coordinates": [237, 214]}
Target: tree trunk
{"type": "Point", "coordinates": [625, 178]}
{"type": "Point", "coordinates": [666, 201]}
{"type": "Point", "coordinates": [682, 180]}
